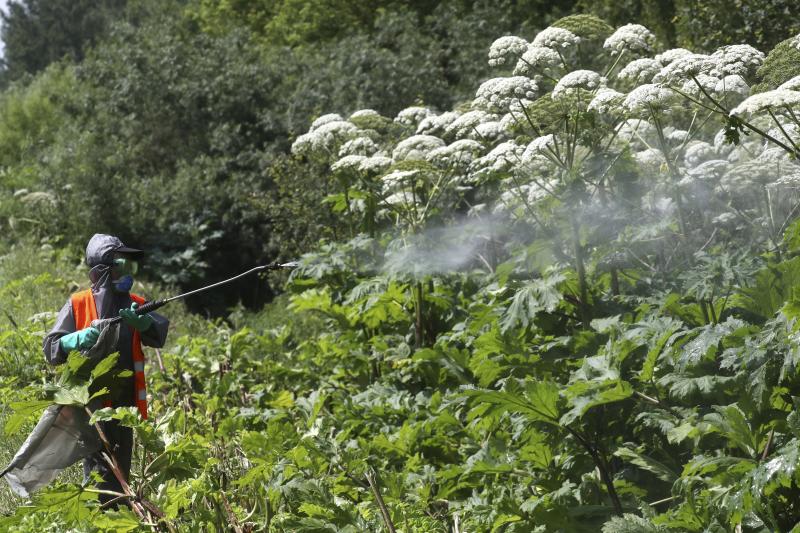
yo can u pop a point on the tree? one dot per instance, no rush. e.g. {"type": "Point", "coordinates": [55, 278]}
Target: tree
{"type": "Point", "coordinates": [39, 32]}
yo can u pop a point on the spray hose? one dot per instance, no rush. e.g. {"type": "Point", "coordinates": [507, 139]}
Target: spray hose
{"type": "Point", "coordinates": [156, 304]}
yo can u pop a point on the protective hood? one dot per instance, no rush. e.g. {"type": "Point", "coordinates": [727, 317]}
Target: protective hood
{"type": "Point", "coordinates": [100, 256]}
{"type": "Point", "coordinates": [101, 248]}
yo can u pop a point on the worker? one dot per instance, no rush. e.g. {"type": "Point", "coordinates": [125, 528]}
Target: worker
{"type": "Point", "coordinates": [112, 267]}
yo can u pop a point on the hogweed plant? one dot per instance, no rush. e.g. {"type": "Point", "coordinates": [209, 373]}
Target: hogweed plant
{"type": "Point", "coordinates": [629, 173]}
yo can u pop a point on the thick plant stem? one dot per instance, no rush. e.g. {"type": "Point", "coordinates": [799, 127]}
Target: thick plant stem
{"type": "Point", "coordinates": [614, 282]}
{"type": "Point", "coordinates": [108, 456]}
{"type": "Point", "coordinates": [773, 233]}
{"type": "Point", "coordinates": [580, 267]}
{"type": "Point", "coordinates": [373, 485]}
{"type": "Point", "coordinates": [602, 467]}
{"type": "Point", "coordinates": [419, 319]}
{"type": "Point", "coordinates": [145, 513]}
{"type": "Point", "coordinates": [674, 174]}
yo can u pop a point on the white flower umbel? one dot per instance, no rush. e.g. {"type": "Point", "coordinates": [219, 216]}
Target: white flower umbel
{"type": "Point", "coordinates": [348, 163]}
{"type": "Point", "coordinates": [750, 175]}
{"type": "Point", "coordinates": [397, 179]}
{"type": "Point", "coordinates": [324, 139]}
{"type": "Point", "coordinates": [490, 131]}
{"type": "Point", "coordinates": [436, 124]}
{"type": "Point", "coordinates": [648, 99]}
{"type": "Point", "coordinates": [464, 126]}
{"type": "Point", "coordinates": [571, 83]}
{"type": "Point", "coordinates": [788, 130]}
{"type": "Point", "coordinates": [770, 100]}
{"type": "Point", "coordinates": [640, 70]}
{"type": "Point", "coordinates": [412, 116]}
{"type": "Point", "coordinates": [401, 199]}
{"type": "Point", "coordinates": [506, 50]}
{"type": "Point", "coordinates": [788, 181]}
{"type": "Point", "coordinates": [725, 220]}
{"type": "Point", "coordinates": [607, 101]}
{"type": "Point", "coordinates": [741, 59]}
{"type": "Point", "coordinates": [556, 38]}
{"type": "Point", "coordinates": [638, 133]}
{"type": "Point", "coordinates": [458, 154]}
{"type": "Point", "coordinates": [631, 38]}
{"type": "Point", "coordinates": [375, 164]}
{"type": "Point", "coordinates": [358, 146]}
{"type": "Point", "coordinates": [701, 82]}
{"type": "Point", "coordinates": [651, 158]}
{"type": "Point", "coordinates": [795, 41]}
{"type": "Point", "coordinates": [539, 191]}
{"type": "Point", "coordinates": [665, 58]}
{"type": "Point", "coordinates": [732, 85]}
{"type": "Point", "coordinates": [698, 152]}
{"type": "Point", "coordinates": [708, 170]}
{"type": "Point", "coordinates": [503, 158]}
{"type": "Point", "coordinates": [681, 69]}
{"type": "Point", "coordinates": [791, 85]}
{"type": "Point", "coordinates": [325, 119]}
{"type": "Point", "coordinates": [532, 162]}
{"type": "Point", "coordinates": [496, 95]}
{"type": "Point", "coordinates": [364, 113]}
{"type": "Point", "coordinates": [676, 137]}
{"type": "Point", "coordinates": [536, 60]}
{"type": "Point", "coordinates": [416, 147]}
{"type": "Point", "coordinates": [544, 145]}
{"type": "Point", "coordinates": [512, 121]}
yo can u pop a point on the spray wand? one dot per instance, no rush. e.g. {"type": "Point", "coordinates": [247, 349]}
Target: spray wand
{"type": "Point", "coordinates": [156, 304]}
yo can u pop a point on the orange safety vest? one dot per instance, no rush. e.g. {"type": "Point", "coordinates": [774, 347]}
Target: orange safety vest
{"type": "Point", "coordinates": [84, 311]}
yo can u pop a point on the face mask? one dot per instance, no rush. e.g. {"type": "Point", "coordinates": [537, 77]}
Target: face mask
{"type": "Point", "coordinates": [123, 284]}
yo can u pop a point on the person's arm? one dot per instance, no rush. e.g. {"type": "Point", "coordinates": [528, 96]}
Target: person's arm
{"type": "Point", "coordinates": [65, 324]}
{"type": "Point", "coordinates": [156, 335]}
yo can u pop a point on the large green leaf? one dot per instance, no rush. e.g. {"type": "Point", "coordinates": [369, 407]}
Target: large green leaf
{"type": "Point", "coordinates": [773, 286]}
{"type": "Point", "coordinates": [705, 345]}
{"type": "Point", "coordinates": [586, 395]}
{"type": "Point", "coordinates": [661, 471]}
{"type": "Point", "coordinates": [538, 295]}
{"type": "Point", "coordinates": [537, 401]}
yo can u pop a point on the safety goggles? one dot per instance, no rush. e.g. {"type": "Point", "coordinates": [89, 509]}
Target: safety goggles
{"type": "Point", "coordinates": [124, 267]}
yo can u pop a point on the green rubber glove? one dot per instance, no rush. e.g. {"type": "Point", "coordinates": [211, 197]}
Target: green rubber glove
{"type": "Point", "coordinates": [80, 340]}
{"type": "Point", "coordinates": [138, 322]}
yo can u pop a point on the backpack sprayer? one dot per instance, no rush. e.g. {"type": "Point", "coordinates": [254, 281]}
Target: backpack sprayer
{"type": "Point", "coordinates": [156, 304]}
